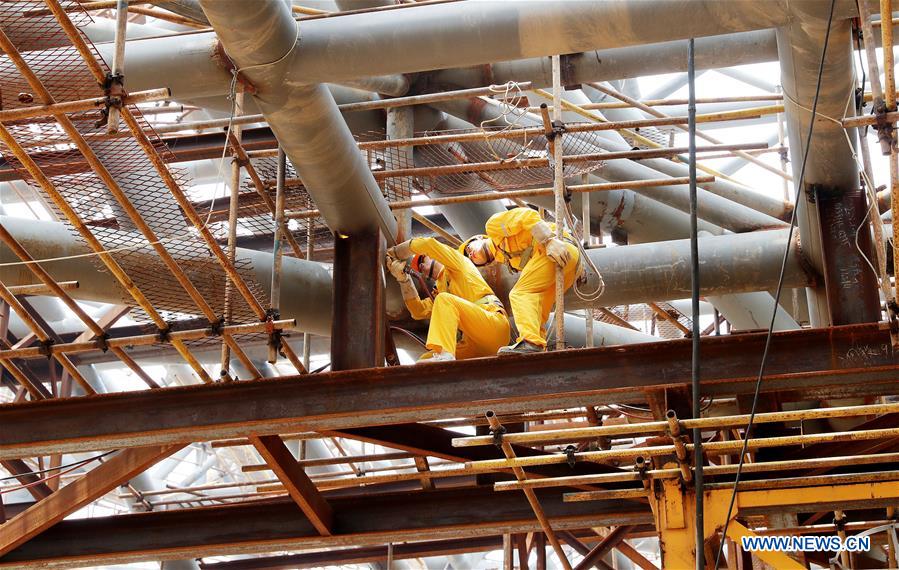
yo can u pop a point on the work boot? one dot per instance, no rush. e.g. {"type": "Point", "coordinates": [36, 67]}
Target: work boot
{"type": "Point", "coordinates": [520, 347]}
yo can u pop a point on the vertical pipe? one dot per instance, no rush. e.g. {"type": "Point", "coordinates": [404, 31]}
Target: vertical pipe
{"type": "Point", "coordinates": [277, 249]}
{"type": "Point", "coordinates": [558, 183]}
{"type": "Point", "coordinates": [694, 262]}
{"type": "Point", "coordinates": [232, 232]}
{"type": "Point", "coordinates": [889, 73]}
{"type": "Point", "coordinates": [585, 215]}
{"type": "Point", "coordinates": [310, 247]}
{"type": "Point", "coordinates": [781, 137]}
{"type": "Point", "coordinates": [118, 59]}
{"type": "Point", "coordinates": [400, 126]}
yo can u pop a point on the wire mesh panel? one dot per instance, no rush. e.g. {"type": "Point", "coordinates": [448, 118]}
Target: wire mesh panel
{"type": "Point", "coordinates": [67, 77]}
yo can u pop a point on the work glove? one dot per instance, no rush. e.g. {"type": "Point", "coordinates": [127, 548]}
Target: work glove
{"type": "Point", "coordinates": [555, 248]}
{"type": "Point", "coordinates": [397, 269]}
{"type": "Point", "coordinates": [401, 250]}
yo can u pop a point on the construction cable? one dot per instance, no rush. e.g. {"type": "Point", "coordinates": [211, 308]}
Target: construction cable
{"type": "Point", "coordinates": [576, 230]}
{"type": "Point", "coordinates": [60, 471]}
{"type": "Point", "coordinates": [779, 290]}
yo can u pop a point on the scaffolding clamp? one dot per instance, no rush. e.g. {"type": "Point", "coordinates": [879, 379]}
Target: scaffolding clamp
{"type": "Point", "coordinates": [497, 434]}
{"type": "Point", "coordinates": [883, 126]}
{"type": "Point", "coordinates": [103, 342]}
{"type": "Point", "coordinates": [45, 346]}
{"type": "Point", "coordinates": [164, 335]}
{"type": "Point", "coordinates": [114, 96]}
{"type": "Point", "coordinates": [217, 327]}
{"type": "Point", "coordinates": [569, 455]}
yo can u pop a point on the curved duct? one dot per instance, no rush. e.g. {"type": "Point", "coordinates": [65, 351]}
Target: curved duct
{"type": "Point", "coordinates": [261, 38]}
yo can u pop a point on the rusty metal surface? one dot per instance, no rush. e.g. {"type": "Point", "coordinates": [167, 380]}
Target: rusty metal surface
{"type": "Point", "coordinates": [359, 321]}
{"type": "Point", "coordinates": [850, 280]}
{"type": "Point", "coordinates": [278, 525]}
{"type": "Point", "coordinates": [808, 363]}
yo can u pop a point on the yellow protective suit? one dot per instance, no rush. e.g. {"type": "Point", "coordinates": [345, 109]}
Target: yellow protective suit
{"type": "Point", "coordinates": [533, 296]}
{"type": "Point", "coordinates": [460, 286]}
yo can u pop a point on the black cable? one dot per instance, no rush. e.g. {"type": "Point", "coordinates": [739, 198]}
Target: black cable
{"type": "Point", "coordinates": [73, 464]}
{"type": "Point", "coordinates": [780, 282]}
{"type": "Point", "coordinates": [694, 299]}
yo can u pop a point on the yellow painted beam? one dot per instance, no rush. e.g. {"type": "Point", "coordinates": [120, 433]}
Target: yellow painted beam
{"type": "Point", "coordinates": [817, 494]}
{"type": "Point", "coordinates": [779, 560]}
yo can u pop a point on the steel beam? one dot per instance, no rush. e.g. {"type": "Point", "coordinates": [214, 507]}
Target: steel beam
{"type": "Point", "coordinates": [291, 474]}
{"type": "Point", "coordinates": [358, 322]}
{"type": "Point", "coordinates": [278, 525]}
{"type": "Point", "coordinates": [840, 361]}
{"type": "Point", "coordinates": [362, 555]}
{"type": "Point", "coordinates": [95, 484]}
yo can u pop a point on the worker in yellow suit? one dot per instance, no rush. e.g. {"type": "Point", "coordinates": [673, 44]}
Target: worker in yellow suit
{"type": "Point", "coordinates": [464, 302]}
{"type": "Point", "coordinates": [521, 239]}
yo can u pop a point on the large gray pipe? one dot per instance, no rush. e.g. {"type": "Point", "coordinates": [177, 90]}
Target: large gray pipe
{"type": "Point", "coordinates": [733, 263]}
{"type": "Point", "coordinates": [261, 38]}
{"type": "Point", "coordinates": [742, 48]}
{"type": "Point", "coordinates": [830, 205]}
{"type": "Point", "coordinates": [633, 274]}
{"type": "Point", "coordinates": [476, 33]}
{"type": "Point", "coordinates": [480, 32]}
{"type": "Point", "coordinates": [306, 293]}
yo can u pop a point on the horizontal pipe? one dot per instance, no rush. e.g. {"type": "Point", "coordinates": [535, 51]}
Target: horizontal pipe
{"type": "Point", "coordinates": [710, 448]}
{"type": "Point", "coordinates": [712, 52]}
{"type": "Point", "coordinates": [633, 274]}
{"type": "Point", "coordinates": [143, 340]}
{"type": "Point", "coordinates": [659, 427]}
{"type": "Point", "coordinates": [512, 194]}
{"type": "Point", "coordinates": [81, 105]}
{"type": "Point", "coordinates": [41, 289]}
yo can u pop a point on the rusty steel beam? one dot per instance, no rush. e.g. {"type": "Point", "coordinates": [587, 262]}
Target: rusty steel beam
{"type": "Point", "coordinates": [811, 363]}
{"type": "Point", "coordinates": [85, 490]}
{"type": "Point", "coordinates": [300, 488]}
{"type": "Point", "coordinates": [358, 313]}
{"type": "Point", "coordinates": [362, 555]}
{"type": "Point", "coordinates": [275, 525]}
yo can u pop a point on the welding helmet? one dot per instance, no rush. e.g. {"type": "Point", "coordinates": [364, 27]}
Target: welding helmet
{"type": "Point", "coordinates": [426, 267]}
{"type": "Point", "coordinates": [479, 249]}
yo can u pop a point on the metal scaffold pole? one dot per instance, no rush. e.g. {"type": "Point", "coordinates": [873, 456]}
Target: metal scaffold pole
{"type": "Point", "coordinates": [278, 250]}
{"type": "Point", "coordinates": [694, 296]}
{"type": "Point", "coordinates": [558, 192]}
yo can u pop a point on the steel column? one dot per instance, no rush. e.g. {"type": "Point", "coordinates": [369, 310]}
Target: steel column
{"type": "Point", "coordinates": [357, 327]}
